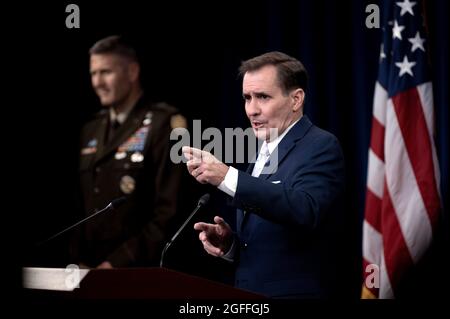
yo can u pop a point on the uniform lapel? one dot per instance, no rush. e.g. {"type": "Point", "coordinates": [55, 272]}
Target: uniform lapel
{"type": "Point", "coordinates": [131, 125]}
{"type": "Point", "coordinates": [100, 131]}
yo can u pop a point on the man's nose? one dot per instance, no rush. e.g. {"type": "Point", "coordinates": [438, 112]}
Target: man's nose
{"type": "Point", "coordinates": [97, 80]}
{"type": "Point", "coordinates": [253, 107]}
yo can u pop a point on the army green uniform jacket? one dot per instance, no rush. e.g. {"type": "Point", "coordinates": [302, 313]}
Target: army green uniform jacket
{"type": "Point", "coordinates": [134, 163]}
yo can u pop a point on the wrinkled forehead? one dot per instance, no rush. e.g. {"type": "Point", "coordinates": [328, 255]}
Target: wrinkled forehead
{"type": "Point", "coordinates": [263, 79]}
{"type": "Point", "coordinates": [107, 60]}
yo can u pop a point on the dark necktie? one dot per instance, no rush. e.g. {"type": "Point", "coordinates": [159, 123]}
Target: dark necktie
{"type": "Point", "coordinates": [113, 128]}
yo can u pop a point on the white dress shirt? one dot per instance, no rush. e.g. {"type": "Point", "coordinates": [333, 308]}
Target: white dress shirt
{"type": "Point", "coordinates": [229, 184]}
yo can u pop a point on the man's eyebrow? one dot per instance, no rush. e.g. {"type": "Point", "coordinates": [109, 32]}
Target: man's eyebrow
{"type": "Point", "coordinates": [255, 93]}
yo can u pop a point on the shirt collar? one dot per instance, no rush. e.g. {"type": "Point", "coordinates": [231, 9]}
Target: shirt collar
{"type": "Point", "coordinates": [119, 117]}
{"type": "Point", "coordinates": [273, 144]}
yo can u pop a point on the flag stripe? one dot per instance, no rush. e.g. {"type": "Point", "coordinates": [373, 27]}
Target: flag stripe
{"type": "Point", "coordinates": [386, 290]}
{"type": "Point", "coordinates": [405, 194]}
{"type": "Point", "coordinates": [371, 248]}
{"type": "Point", "coordinates": [373, 207]}
{"type": "Point", "coordinates": [426, 98]}
{"type": "Point", "coordinates": [396, 254]}
{"type": "Point", "coordinates": [379, 103]}
{"type": "Point", "coordinates": [377, 139]}
{"type": "Point", "coordinates": [414, 130]}
{"type": "Point", "coordinates": [375, 175]}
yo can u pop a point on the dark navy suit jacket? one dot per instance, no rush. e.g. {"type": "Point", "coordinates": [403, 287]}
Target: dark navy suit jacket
{"type": "Point", "coordinates": [286, 236]}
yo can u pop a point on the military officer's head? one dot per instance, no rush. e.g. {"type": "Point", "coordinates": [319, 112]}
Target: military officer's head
{"type": "Point", "coordinates": [114, 69]}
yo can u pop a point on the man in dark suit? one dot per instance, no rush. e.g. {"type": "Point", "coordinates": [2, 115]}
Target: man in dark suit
{"type": "Point", "coordinates": [289, 200]}
{"type": "Point", "coordinates": [125, 151]}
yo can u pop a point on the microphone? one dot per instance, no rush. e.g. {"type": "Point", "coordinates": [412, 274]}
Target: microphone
{"type": "Point", "coordinates": [201, 202]}
{"type": "Point", "coordinates": [111, 206]}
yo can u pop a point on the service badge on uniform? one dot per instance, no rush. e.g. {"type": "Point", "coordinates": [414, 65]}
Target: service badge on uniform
{"type": "Point", "coordinates": [137, 157]}
{"type": "Point", "coordinates": [120, 155]}
{"type": "Point", "coordinates": [148, 118]}
{"type": "Point", "coordinates": [90, 148]}
{"type": "Point", "coordinates": [136, 142]}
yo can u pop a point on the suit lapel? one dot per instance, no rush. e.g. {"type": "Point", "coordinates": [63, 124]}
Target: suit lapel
{"type": "Point", "coordinates": [239, 219]}
{"type": "Point", "coordinates": [241, 216]}
{"type": "Point", "coordinates": [284, 147]}
{"type": "Point", "coordinates": [287, 144]}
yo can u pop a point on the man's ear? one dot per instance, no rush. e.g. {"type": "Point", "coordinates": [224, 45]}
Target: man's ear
{"type": "Point", "coordinates": [133, 71]}
{"type": "Point", "coordinates": [298, 97]}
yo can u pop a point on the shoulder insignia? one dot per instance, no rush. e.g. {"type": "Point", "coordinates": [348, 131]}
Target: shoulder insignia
{"type": "Point", "coordinates": [177, 121]}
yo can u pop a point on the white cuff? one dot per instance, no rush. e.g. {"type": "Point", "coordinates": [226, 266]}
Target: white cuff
{"type": "Point", "coordinates": [229, 183]}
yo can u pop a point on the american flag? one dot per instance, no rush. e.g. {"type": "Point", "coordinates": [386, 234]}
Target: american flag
{"type": "Point", "coordinates": [402, 198]}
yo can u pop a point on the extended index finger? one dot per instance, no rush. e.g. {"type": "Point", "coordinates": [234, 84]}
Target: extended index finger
{"type": "Point", "coordinates": [191, 150]}
{"type": "Point", "coordinates": [203, 226]}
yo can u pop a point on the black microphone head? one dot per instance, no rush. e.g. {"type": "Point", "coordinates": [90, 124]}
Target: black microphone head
{"type": "Point", "coordinates": [118, 202]}
{"type": "Point", "coordinates": [203, 200]}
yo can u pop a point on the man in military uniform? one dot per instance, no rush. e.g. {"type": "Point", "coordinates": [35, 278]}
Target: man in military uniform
{"type": "Point", "coordinates": [125, 151]}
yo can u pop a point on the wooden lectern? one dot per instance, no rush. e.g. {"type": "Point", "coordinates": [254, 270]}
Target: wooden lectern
{"type": "Point", "coordinates": [125, 283]}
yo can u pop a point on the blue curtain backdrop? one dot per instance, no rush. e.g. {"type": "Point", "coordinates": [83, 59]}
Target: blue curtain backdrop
{"type": "Point", "coordinates": [190, 54]}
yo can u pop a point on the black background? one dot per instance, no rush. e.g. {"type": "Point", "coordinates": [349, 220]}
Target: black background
{"type": "Point", "coordinates": [190, 52]}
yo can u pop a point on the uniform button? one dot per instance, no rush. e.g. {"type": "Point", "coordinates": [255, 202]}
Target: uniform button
{"type": "Point", "coordinates": [244, 245]}
{"type": "Point", "coordinates": [96, 190]}
{"type": "Point", "coordinates": [98, 169]}
{"type": "Point", "coordinates": [126, 165]}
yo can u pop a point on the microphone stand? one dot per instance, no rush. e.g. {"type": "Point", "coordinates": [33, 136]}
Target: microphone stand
{"type": "Point", "coordinates": [203, 200]}
{"type": "Point", "coordinates": [114, 204]}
